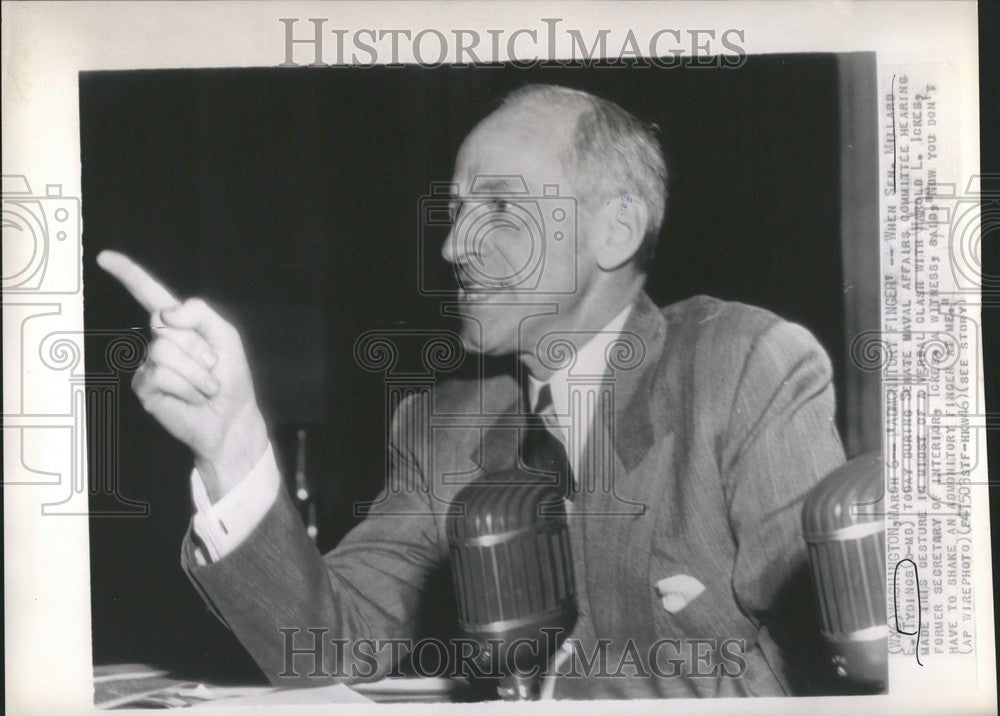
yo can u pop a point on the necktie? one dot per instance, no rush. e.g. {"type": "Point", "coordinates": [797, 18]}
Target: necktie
{"type": "Point", "coordinates": [543, 451]}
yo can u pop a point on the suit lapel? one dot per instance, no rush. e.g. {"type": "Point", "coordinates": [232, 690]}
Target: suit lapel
{"type": "Point", "coordinates": [622, 432]}
{"type": "Point", "coordinates": [618, 517]}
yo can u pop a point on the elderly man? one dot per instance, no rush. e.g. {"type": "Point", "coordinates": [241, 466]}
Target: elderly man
{"type": "Point", "coordinates": [685, 490]}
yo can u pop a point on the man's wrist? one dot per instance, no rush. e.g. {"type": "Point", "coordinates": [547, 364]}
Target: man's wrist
{"type": "Point", "coordinates": [244, 445]}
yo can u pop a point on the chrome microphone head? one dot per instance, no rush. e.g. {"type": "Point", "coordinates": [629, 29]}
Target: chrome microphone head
{"type": "Point", "coordinates": [843, 521]}
{"type": "Point", "coordinates": [512, 570]}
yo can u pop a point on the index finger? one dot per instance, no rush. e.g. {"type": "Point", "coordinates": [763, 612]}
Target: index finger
{"type": "Point", "coordinates": [149, 292]}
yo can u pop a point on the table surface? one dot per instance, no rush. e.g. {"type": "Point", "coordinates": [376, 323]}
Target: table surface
{"type": "Point", "coordinates": [144, 686]}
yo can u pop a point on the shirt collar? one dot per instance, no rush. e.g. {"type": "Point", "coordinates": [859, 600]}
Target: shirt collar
{"type": "Point", "coordinates": [590, 359]}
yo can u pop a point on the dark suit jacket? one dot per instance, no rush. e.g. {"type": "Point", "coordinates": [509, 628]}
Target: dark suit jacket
{"type": "Point", "coordinates": [720, 428]}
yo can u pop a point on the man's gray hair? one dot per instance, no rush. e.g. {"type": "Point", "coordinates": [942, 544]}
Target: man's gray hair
{"type": "Point", "coordinates": [613, 154]}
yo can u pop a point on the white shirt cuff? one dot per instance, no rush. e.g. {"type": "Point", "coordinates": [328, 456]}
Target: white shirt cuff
{"type": "Point", "coordinates": [222, 527]}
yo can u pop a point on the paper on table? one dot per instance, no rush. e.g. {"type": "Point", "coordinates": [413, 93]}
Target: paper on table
{"type": "Point", "coordinates": [334, 694]}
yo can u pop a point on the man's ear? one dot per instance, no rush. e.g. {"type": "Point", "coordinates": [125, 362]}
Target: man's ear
{"type": "Point", "coordinates": [622, 227]}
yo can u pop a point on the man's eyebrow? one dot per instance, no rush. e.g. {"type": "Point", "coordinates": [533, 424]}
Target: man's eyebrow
{"type": "Point", "coordinates": [481, 188]}
{"type": "Point", "coordinates": [484, 185]}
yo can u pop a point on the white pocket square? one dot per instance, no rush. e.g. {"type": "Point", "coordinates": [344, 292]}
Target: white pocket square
{"type": "Point", "coordinates": [678, 591]}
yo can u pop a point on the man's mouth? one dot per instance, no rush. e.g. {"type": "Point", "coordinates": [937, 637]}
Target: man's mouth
{"type": "Point", "coordinates": [477, 294]}
{"type": "Point", "coordinates": [476, 290]}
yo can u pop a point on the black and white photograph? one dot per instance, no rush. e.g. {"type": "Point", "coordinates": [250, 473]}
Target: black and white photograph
{"type": "Point", "coordinates": [443, 366]}
{"type": "Point", "coordinates": [534, 382]}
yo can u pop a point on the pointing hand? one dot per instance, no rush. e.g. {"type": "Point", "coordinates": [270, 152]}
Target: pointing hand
{"type": "Point", "coordinates": [195, 381]}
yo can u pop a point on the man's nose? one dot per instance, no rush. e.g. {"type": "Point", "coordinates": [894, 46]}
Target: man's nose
{"type": "Point", "coordinates": [448, 249]}
{"type": "Point", "coordinates": [456, 250]}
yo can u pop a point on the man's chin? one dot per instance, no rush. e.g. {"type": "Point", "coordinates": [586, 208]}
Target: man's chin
{"type": "Point", "coordinates": [490, 323]}
{"type": "Point", "coordinates": [478, 338]}
{"type": "Point", "coordinates": [472, 338]}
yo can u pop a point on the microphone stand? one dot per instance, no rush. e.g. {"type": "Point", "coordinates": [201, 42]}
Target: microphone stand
{"type": "Point", "coordinates": [536, 686]}
{"type": "Point", "coordinates": [517, 687]}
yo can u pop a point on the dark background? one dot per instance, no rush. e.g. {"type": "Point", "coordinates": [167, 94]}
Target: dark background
{"type": "Point", "coordinates": [290, 198]}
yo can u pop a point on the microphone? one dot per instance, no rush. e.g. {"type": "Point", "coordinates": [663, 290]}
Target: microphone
{"type": "Point", "coordinates": [843, 522]}
{"type": "Point", "coordinates": [512, 570]}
